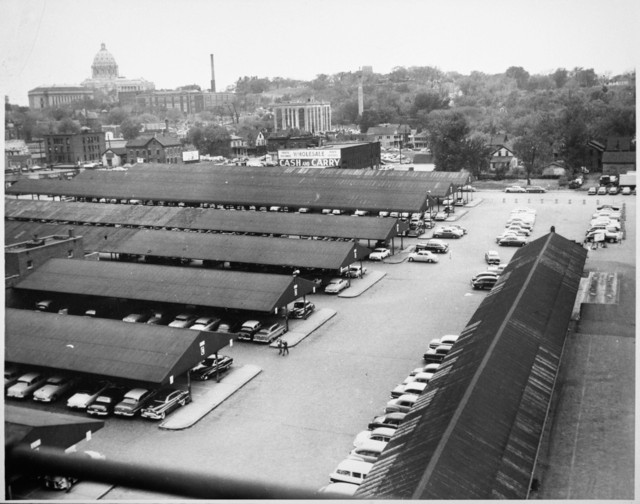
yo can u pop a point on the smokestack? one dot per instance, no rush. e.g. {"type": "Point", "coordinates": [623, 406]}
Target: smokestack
{"type": "Point", "coordinates": [213, 77]}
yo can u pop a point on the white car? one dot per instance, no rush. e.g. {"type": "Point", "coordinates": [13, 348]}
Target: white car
{"type": "Point", "coordinates": [53, 388]}
{"type": "Point", "coordinates": [339, 489]}
{"type": "Point", "coordinates": [380, 434]}
{"type": "Point", "coordinates": [350, 471]}
{"type": "Point", "coordinates": [336, 285]}
{"type": "Point", "coordinates": [269, 333]}
{"type": "Point", "coordinates": [379, 254]}
{"type": "Point", "coordinates": [26, 385]}
{"type": "Point", "coordinates": [183, 320]}
{"type": "Point", "coordinates": [401, 404]}
{"type": "Point", "coordinates": [515, 189]}
{"type": "Point", "coordinates": [369, 451]}
{"type": "Point", "coordinates": [86, 394]}
{"type": "Point", "coordinates": [423, 256]}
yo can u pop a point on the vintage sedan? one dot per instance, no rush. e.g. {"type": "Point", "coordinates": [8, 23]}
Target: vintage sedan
{"type": "Point", "coordinates": [269, 333]}
{"type": "Point", "coordinates": [248, 329]}
{"type": "Point", "coordinates": [106, 401]}
{"type": "Point", "coordinates": [515, 189]}
{"type": "Point", "coordinates": [164, 402]}
{"type": "Point", "coordinates": [302, 309]}
{"type": "Point", "coordinates": [535, 189]}
{"type": "Point", "coordinates": [86, 394]}
{"type": "Point", "coordinates": [492, 257]}
{"type": "Point", "coordinates": [447, 232]}
{"type": "Point", "coordinates": [390, 420]}
{"type": "Point", "coordinates": [26, 385]}
{"type": "Point", "coordinates": [484, 282]}
{"type": "Point", "coordinates": [11, 375]}
{"type": "Point", "coordinates": [512, 241]}
{"type": "Point", "coordinates": [380, 434]}
{"type": "Point", "coordinates": [210, 366]}
{"type": "Point", "coordinates": [133, 401]}
{"type": "Point", "coordinates": [183, 320]}
{"type": "Point", "coordinates": [379, 254]}
{"type": "Point", "coordinates": [206, 323]}
{"type": "Point", "coordinates": [423, 256]}
{"type": "Point", "coordinates": [54, 387]}
{"type": "Point", "coordinates": [336, 285]}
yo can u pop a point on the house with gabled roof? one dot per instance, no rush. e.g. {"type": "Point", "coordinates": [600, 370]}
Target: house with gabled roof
{"type": "Point", "coordinates": [502, 156]}
{"type": "Point", "coordinates": [389, 135]}
{"type": "Point", "coordinates": [154, 149]}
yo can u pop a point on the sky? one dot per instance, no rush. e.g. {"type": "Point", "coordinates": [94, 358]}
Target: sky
{"type": "Point", "coordinates": [168, 42]}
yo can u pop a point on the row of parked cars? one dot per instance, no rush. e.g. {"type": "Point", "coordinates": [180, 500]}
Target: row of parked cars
{"type": "Point", "coordinates": [102, 398]}
{"type": "Point", "coordinates": [611, 190]}
{"type": "Point", "coordinates": [518, 227]}
{"type": "Point", "coordinates": [605, 225]}
{"type": "Point", "coordinates": [369, 444]}
{"type": "Point", "coordinates": [528, 189]}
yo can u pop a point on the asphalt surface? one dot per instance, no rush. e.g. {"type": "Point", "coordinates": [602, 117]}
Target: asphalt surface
{"type": "Point", "coordinates": [296, 419]}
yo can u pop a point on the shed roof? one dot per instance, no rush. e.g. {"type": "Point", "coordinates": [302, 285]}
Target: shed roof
{"type": "Point", "coordinates": [277, 223]}
{"type": "Point", "coordinates": [26, 425]}
{"type": "Point", "coordinates": [104, 347]}
{"type": "Point", "coordinates": [474, 432]}
{"type": "Point", "coordinates": [374, 190]}
{"type": "Point", "coordinates": [194, 286]}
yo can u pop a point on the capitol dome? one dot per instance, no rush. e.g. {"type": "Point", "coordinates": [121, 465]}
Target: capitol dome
{"type": "Point", "coordinates": [104, 64]}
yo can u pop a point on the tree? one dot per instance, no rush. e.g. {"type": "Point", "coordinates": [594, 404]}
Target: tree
{"type": "Point", "coordinates": [117, 115]}
{"type": "Point", "coordinates": [560, 77]}
{"type": "Point", "coordinates": [426, 102]}
{"type": "Point", "coordinates": [213, 140]}
{"type": "Point", "coordinates": [130, 129]}
{"type": "Point", "coordinates": [520, 75]}
{"type": "Point", "coordinates": [448, 132]}
{"type": "Point", "coordinates": [68, 126]}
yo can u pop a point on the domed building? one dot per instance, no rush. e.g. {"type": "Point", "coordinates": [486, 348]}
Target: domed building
{"type": "Point", "coordinates": [104, 76]}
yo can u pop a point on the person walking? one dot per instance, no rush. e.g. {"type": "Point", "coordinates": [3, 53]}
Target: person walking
{"type": "Point", "coordinates": [285, 347]}
{"type": "Point", "coordinates": [280, 346]}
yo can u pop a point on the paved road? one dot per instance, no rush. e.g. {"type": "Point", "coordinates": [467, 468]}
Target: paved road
{"type": "Point", "coordinates": [294, 422]}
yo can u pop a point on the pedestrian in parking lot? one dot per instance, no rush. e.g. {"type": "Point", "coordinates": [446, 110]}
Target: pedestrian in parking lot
{"type": "Point", "coordinates": [285, 347]}
{"type": "Point", "coordinates": [280, 346]}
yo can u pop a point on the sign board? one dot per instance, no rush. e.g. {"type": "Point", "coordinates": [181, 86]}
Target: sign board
{"type": "Point", "coordinates": [188, 156]}
{"type": "Point", "coordinates": [310, 157]}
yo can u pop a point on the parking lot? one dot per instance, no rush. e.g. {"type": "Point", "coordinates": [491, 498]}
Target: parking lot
{"type": "Point", "coordinates": [297, 418]}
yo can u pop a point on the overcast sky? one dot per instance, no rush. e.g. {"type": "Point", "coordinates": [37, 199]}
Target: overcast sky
{"type": "Point", "coordinates": [168, 42]}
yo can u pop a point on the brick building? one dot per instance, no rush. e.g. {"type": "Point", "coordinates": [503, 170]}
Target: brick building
{"type": "Point", "coordinates": [78, 148]}
{"type": "Point", "coordinates": [154, 149]}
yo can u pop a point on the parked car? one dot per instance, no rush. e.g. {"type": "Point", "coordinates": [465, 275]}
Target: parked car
{"type": "Point", "coordinates": [209, 367]}
{"type": "Point", "coordinates": [379, 254]}
{"type": "Point", "coordinates": [54, 388]}
{"type": "Point", "coordinates": [512, 241]}
{"type": "Point", "coordinates": [613, 190]}
{"type": "Point", "coordinates": [302, 309]}
{"type": "Point", "coordinates": [380, 434]}
{"type": "Point", "coordinates": [269, 333]}
{"type": "Point", "coordinates": [390, 420]}
{"type": "Point", "coordinates": [497, 268]}
{"type": "Point", "coordinates": [447, 232]}
{"type": "Point", "coordinates": [47, 305]}
{"type": "Point", "coordinates": [485, 282]}
{"type": "Point", "coordinates": [206, 323]}
{"type": "Point", "coordinates": [515, 189]}
{"type": "Point", "coordinates": [355, 271]}
{"type": "Point", "coordinates": [602, 190]}
{"type": "Point", "coordinates": [458, 227]}
{"type": "Point", "coordinates": [483, 274]}
{"type": "Point", "coordinates": [401, 404]}
{"type": "Point", "coordinates": [626, 191]}
{"type": "Point", "coordinates": [183, 320]}
{"type": "Point", "coordinates": [106, 401]}
{"type": "Point", "coordinates": [133, 402]}
{"type": "Point", "coordinates": [86, 394]}
{"type": "Point", "coordinates": [11, 375]}
{"type": "Point", "coordinates": [433, 245]}
{"type": "Point", "coordinates": [440, 216]}
{"type": "Point", "coordinates": [339, 489]}
{"type": "Point", "coordinates": [137, 317]}
{"type": "Point", "coordinates": [56, 482]}
{"type": "Point", "coordinates": [336, 285]}
{"type": "Point", "coordinates": [423, 256]}
{"type": "Point", "coordinates": [468, 188]}
{"type": "Point", "coordinates": [492, 257]}
{"type": "Point", "coordinates": [164, 402]}
{"type": "Point", "coordinates": [535, 189]}
{"type": "Point", "coordinates": [157, 317]}
{"type": "Point", "coordinates": [611, 235]}
{"type": "Point", "coordinates": [26, 385]}
{"type": "Point", "coordinates": [369, 451]}
{"type": "Point", "coordinates": [249, 329]}
{"type": "Point", "coordinates": [350, 471]}
{"type": "Point", "coordinates": [415, 387]}
{"type": "Point", "coordinates": [592, 191]}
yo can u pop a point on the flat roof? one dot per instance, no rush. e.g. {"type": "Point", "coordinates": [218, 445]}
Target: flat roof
{"type": "Point", "coordinates": [168, 284]}
{"type": "Point", "coordinates": [110, 348]}
{"type": "Point", "coordinates": [278, 223]}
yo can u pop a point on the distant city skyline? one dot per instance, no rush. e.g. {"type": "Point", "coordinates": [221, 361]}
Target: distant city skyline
{"type": "Point", "coordinates": [45, 42]}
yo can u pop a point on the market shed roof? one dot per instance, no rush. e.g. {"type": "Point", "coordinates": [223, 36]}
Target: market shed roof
{"type": "Point", "coordinates": [298, 187]}
{"type": "Point", "coordinates": [277, 223]}
{"type": "Point", "coordinates": [57, 430]}
{"type": "Point", "coordinates": [474, 432]}
{"type": "Point", "coordinates": [111, 348]}
{"type": "Point", "coordinates": [241, 249]}
{"type": "Point", "coordinates": [192, 286]}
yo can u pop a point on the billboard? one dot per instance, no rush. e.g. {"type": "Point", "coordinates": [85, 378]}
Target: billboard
{"type": "Point", "coordinates": [310, 157]}
{"type": "Point", "coordinates": [190, 156]}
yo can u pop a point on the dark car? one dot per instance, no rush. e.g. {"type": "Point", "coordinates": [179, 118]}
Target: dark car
{"type": "Point", "coordinates": [512, 241]}
{"type": "Point", "coordinates": [302, 309]}
{"type": "Point", "coordinates": [210, 366]}
{"type": "Point", "coordinates": [391, 420]}
{"type": "Point", "coordinates": [133, 401]}
{"type": "Point", "coordinates": [104, 404]}
{"type": "Point", "coordinates": [164, 402]}
{"type": "Point", "coordinates": [484, 282]}
{"type": "Point", "coordinates": [437, 246]}
{"type": "Point", "coordinates": [535, 189]}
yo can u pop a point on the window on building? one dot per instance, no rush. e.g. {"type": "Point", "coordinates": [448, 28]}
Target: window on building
{"type": "Point", "coordinates": [70, 254]}
{"type": "Point", "coordinates": [29, 264]}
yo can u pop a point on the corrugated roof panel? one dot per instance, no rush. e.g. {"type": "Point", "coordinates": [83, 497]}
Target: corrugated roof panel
{"type": "Point", "coordinates": [477, 437]}
{"type": "Point", "coordinates": [196, 286]}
